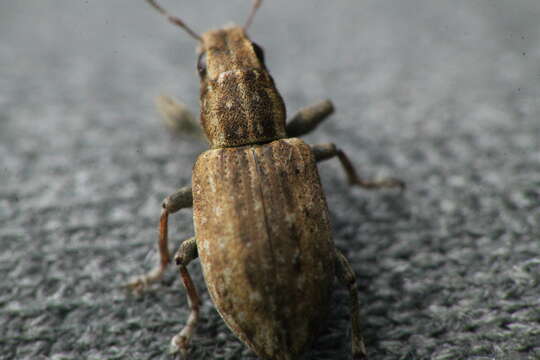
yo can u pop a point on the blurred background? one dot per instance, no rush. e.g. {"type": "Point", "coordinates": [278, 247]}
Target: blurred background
{"type": "Point", "coordinates": [444, 95]}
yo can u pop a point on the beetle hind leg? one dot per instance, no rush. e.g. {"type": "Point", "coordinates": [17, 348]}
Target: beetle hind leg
{"type": "Point", "coordinates": [346, 276]}
{"type": "Point", "coordinates": [184, 255]}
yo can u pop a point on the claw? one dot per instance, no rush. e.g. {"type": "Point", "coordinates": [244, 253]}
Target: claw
{"type": "Point", "coordinates": [360, 357]}
{"type": "Point", "coordinates": [136, 286]}
{"type": "Point", "coordinates": [359, 351]}
{"type": "Point", "coordinates": [179, 345]}
{"type": "Point", "coordinates": [393, 182]}
{"type": "Point", "coordinates": [142, 283]}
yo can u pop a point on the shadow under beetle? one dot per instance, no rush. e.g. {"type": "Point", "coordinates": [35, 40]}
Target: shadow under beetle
{"type": "Point", "coordinates": [262, 229]}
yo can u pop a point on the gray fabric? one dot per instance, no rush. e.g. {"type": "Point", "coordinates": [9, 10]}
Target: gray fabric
{"type": "Point", "coordinates": [441, 94]}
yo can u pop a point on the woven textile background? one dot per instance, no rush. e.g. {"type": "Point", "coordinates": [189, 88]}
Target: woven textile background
{"type": "Point", "coordinates": [442, 94]}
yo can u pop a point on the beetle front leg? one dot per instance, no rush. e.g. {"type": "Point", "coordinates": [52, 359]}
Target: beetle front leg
{"type": "Point", "coordinates": [184, 255]}
{"type": "Point", "coordinates": [182, 198]}
{"type": "Point", "coordinates": [327, 151]}
{"type": "Point", "coordinates": [346, 276]}
{"type": "Point", "coordinates": [308, 118]}
{"type": "Point", "coordinates": [177, 117]}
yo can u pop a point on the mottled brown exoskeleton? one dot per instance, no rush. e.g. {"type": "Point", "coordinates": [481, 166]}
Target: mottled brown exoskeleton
{"type": "Point", "coordinates": [262, 231]}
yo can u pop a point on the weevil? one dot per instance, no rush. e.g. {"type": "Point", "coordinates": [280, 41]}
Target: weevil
{"type": "Point", "coordinates": [262, 229]}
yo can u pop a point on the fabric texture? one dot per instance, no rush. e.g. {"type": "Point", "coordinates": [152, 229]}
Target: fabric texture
{"type": "Point", "coordinates": [443, 95]}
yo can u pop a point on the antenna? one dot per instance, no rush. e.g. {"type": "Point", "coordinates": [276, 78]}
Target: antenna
{"type": "Point", "coordinates": [256, 5]}
{"type": "Point", "coordinates": [174, 19]}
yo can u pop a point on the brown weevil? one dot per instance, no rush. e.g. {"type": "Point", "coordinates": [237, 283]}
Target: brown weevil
{"type": "Point", "coordinates": [262, 230]}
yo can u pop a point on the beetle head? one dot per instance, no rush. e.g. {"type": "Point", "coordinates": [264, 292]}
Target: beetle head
{"type": "Point", "coordinates": [240, 104]}
{"type": "Point", "coordinates": [239, 101]}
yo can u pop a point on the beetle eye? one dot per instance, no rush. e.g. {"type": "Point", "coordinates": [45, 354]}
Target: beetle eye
{"type": "Point", "coordinates": [259, 52]}
{"type": "Point", "coordinates": [201, 64]}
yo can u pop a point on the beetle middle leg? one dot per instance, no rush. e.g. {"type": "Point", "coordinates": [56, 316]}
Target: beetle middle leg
{"type": "Point", "coordinates": [327, 151]}
{"type": "Point", "coordinates": [346, 276]}
{"type": "Point", "coordinates": [181, 199]}
{"type": "Point", "coordinates": [185, 254]}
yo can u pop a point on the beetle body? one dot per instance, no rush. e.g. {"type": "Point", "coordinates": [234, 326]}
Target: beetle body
{"type": "Point", "coordinates": [261, 220]}
{"type": "Point", "coordinates": [263, 237]}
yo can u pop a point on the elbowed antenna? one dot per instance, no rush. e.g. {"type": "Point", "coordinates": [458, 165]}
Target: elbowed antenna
{"type": "Point", "coordinates": [254, 8]}
{"type": "Point", "coordinates": [174, 19]}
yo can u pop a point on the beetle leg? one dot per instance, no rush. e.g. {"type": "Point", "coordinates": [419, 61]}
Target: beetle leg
{"type": "Point", "coordinates": [184, 255]}
{"type": "Point", "coordinates": [187, 252]}
{"type": "Point", "coordinates": [327, 151]}
{"type": "Point", "coordinates": [177, 117]}
{"type": "Point", "coordinates": [308, 118]}
{"type": "Point", "coordinates": [182, 198]}
{"type": "Point", "coordinates": [346, 276]}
